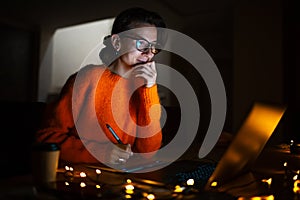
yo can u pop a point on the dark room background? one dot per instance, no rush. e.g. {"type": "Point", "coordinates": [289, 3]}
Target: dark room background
{"type": "Point", "coordinates": [255, 45]}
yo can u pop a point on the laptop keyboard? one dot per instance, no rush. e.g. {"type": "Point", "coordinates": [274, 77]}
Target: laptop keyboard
{"type": "Point", "coordinates": [200, 174]}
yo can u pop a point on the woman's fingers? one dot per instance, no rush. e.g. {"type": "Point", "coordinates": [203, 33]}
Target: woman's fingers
{"type": "Point", "coordinates": [120, 154]}
{"type": "Point", "coordinates": [147, 72]}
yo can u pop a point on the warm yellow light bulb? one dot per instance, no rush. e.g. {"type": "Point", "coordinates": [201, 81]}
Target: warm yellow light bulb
{"type": "Point", "coordinates": [129, 191]}
{"type": "Point", "coordinates": [269, 197]}
{"type": "Point", "coordinates": [295, 177]}
{"type": "Point", "coordinates": [268, 181]}
{"type": "Point", "coordinates": [214, 184]}
{"type": "Point", "coordinates": [82, 174]}
{"type": "Point", "coordinates": [128, 181]}
{"type": "Point", "coordinates": [178, 189]}
{"type": "Point", "coordinates": [82, 184]}
{"type": "Point", "coordinates": [296, 188]}
{"type": "Point", "coordinates": [150, 196]}
{"type": "Point", "coordinates": [129, 187]}
{"type": "Point", "coordinates": [190, 181]}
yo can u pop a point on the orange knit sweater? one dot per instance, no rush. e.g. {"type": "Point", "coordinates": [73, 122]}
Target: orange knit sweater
{"type": "Point", "coordinates": [77, 121]}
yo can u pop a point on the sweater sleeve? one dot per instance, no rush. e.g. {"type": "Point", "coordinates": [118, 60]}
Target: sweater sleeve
{"type": "Point", "coordinates": [149, 135]}
{"type": "Point", "coordinates": [58, 127]}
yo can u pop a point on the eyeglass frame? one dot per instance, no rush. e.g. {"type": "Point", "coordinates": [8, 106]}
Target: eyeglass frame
{"type": "Point", "coordinates": [150, 45]}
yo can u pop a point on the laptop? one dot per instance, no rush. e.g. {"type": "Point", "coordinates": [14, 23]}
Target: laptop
{"type": "Point", "coordinates": [247, 143]}
{"type": "Point", "coordinates": [240, 154]}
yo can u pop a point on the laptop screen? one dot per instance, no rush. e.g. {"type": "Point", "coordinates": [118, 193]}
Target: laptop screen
{"type": "Point", "coordinates": [248, 142]}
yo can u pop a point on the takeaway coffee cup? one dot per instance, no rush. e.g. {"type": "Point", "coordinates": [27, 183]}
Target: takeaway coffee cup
{"type": "Point", "coordinates": [45, 157]}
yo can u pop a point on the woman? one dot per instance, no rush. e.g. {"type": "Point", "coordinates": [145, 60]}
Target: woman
{"type": "Point", "coordinates": [121, 94]}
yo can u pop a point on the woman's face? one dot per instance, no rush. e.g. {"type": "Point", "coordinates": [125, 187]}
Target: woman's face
{"type": "Point", "coordinates": [130, 42]}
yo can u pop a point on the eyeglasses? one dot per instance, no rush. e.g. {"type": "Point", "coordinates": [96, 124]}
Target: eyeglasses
{"type": "Point", "coordinates": [144, 46]}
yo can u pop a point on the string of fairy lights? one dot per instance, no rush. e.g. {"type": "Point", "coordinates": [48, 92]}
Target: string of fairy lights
{"type": "Point", "coordinates": [130, 189]}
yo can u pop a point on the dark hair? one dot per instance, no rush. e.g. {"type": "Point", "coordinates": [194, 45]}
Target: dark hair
{"type": "Point", "coordinates": [126, 20]}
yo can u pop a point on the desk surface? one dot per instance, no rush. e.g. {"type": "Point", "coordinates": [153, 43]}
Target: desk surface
{"type": "Point", "coordinates": [110, 185]}
{"type": "Point", "coordinates": [107, 186]}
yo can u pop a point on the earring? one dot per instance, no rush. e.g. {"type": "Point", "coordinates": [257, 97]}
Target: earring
{"type": "Point", "coordinates": [117, 52]}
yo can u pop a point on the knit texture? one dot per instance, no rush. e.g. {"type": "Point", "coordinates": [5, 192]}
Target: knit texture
{"type": "Point", "coordinates": [77, 121]}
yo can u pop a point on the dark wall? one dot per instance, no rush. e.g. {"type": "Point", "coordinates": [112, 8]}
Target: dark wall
{"type": "Point", "coordinates": [218, 32]}
{"type": "Point", "coordinates": [258, 60]}
{"type": "Point", "coordinates": [291, 55]}
{"type": "Point", "coordinates": [18, 63]}
{"type": "Point", "coordinates": [18, 124]}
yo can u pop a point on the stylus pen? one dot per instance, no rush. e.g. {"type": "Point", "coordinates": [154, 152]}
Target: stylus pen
{"type": "Point", "coordinates": [114, 134]}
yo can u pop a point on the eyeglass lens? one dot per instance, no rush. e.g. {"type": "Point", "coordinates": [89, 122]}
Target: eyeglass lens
{"type": "Point", "coordinates": [144, 46]}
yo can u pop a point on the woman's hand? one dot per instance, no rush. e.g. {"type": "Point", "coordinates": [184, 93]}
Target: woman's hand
{"type": "Point", "coordinates": [120, 153]}
{"type": "Point", "coordinates": [146, 71]}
